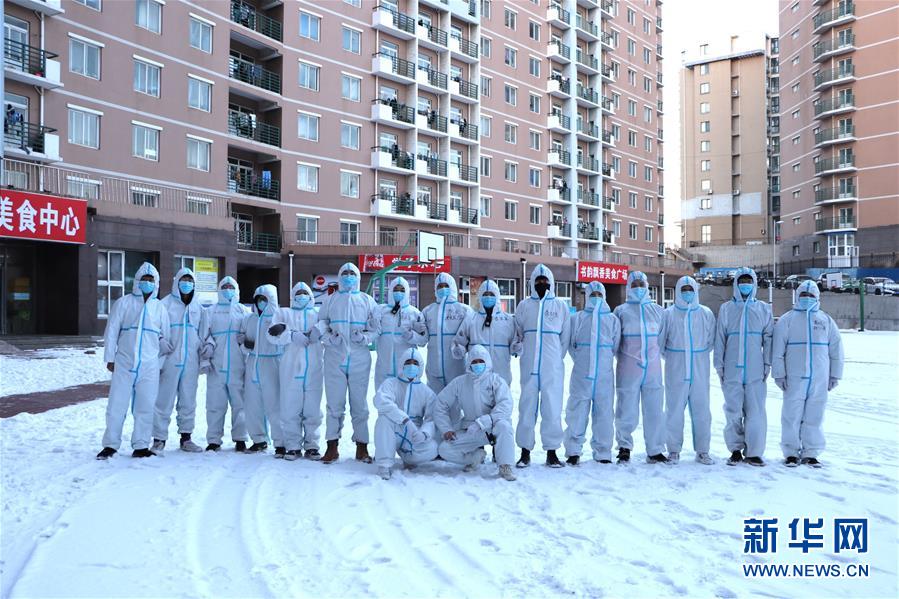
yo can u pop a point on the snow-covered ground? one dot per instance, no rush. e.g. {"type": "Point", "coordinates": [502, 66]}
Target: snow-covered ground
{"type": "Point", "coordinates": [229, 525]}
{"type": "Point", "coordinates": [49, 369]}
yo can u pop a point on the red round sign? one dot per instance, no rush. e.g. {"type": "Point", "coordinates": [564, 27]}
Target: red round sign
{"type": "Point", "coordinates": [319, 280]}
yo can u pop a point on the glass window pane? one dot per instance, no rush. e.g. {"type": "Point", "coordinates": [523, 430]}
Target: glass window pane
{"type": "Point", "coordinates": [116, 267]}
{"type": "Point", "coordinates": [102, 270]}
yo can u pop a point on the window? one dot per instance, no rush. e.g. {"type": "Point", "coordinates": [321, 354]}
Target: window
{"type": "Point", "coordinates": [511, 94]}
{"type": "Point", "coordinates": [307, 178]}
{"type": "Point", "coordinates": [705, 165]}
{"type": "Point", "coordinates": [704, 146]}
{"type": "Point", "coordinates": [146, 78]}
{"type": "Point", "coordinates": [795, 250]}
{"type": "Point", "coordinates": [110, 278]}
{"type": "Point", "coordinates": [647, 203]}
{"type": "Point", "coordinates": [534, 30]}
{"type": "Point", "coordinates": [308, 77]}
{"type": "Point", "coordinates": [631, 17]}
{"type": "Point", "coordinates": [200, 35]}
{"type": "Point", "coordinates": [647, 25]}
{"type": "Point", "coordinates": [351, 88]}
{"type": "Point", "coordinates": [535, 214]}
{"type": "Point", "coordinates": [84, 58]}
{"type": "Point", "coordinates": [795, 88]}
{"type": "Point", "coordinates": [647, 233]}
{"type": "Point", "coordinates": [705, 126]}
{"type": "Point", "coordinates": [198, 154]}
{"type": "Point", "coordinates": [632, 138]}
{"type": "Point", "coordinates": [485, 243]}
{"type": "Point", "coordinates": [510, 18]}
{"type": "Point", "coordinates": [349, 135]}
{"type": "Point", "coordinates": [704, 69]}
{"type": "Point", "coordinates": [349, 233]}
{"type": "Point", "coordinates": [534, 177]}
{"type": "Point", "coordinates": [705, 203]}
{"type": "Point", "coordinates": [511, 133]}
{"type": "Point", "coordinates": [486, 166]}
{"type": "Point", "coordinates": [616, 228]}
{"type": "Point", "coordinates": [511, 57]}
{"type": "Point", "coordinates": [148, 15]}
{"type": "Point", "coordinates": [632, 170]}
{"type": "Point", "coordinates": [147, 198]}
{"type": "Point", "coordinates": [349, 184]}
{"type": "Point", "coordinates": [647, 114]}
{"type": "Point", "coordinates": [534, 66]}
{"type": "Point", "coordinates": [705, 107]}
{"type": "Point", "coordinates": [796, 140]}
{"type": "Point", "coordinates": [705, 233]}
{"type": "Point", "coordinates": [485, 206]}
{"type": "Point", "coordinates": [352, 40]}
{"type": "Point", "coordinates": [309, 26]}
{"type": "Point", "coordinates": [647, 143]}
{"type": "Point", "coordinates": [510, 245]}
{"type": "Point", "coordinates": [704, 88]}
{"type": "Point", "coordinates": [511, 210]}
{"type": "Point", "coordinates": [631, 46]}
{"type": "Point", "coordinates": [307, 126]}
{"type": "Point", "coordinates": [197, 205]}
{"type": "Point", "coordinates": [486, 126]}
{"type": "Point", "coordinates": [647, 84]}
{"type": "Point", "coordinates": [80, 188]}
{"type": "Point", "coordinates": [84, 128]}
{"type": "Point", "coordinates": [511, 172]}
{"type": "Point", "coordinates": [95, 4]}
{"type": "Point", "coordinates": [356, 3]}
{"type": "Point", "coordinates": [144, 142]}
{"type": "Point", "coordinates": [816, 247]}
{"type": "Point", "coordinates": [199, 94]}
{"type": "Point", "coordinates": [534, 140]}
{"type": "Point", "coordinates": [706, 185]}
{"type": "Point", "coordinates": [631, 199]}
{"type": "Point", "coordinates": [647, 55]}
{"type": "Point", "coordinates": [631, 108]}
{"type": "Point", "coordinates": [486, 47]}
{"type": "Point", "coordinates": [534, 103]}
{"type": "Point", "coordinates": [632, 77]}
{"type": "Point", "coordinates": [307, 229]}
{"type": "Point", "coordinates": [632, 231]}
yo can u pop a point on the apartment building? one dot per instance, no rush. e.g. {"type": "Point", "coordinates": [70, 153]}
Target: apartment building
{"type": "Point", "coordinates": [275, 141]}
{"type": "Point", "coordinates": [840, 132]}
{"type": "Point", "coordinates": [730, 145]}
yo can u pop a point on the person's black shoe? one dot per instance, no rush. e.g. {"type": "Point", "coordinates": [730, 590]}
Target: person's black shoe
{"type": "Point", "coordinates": [312, 454]}
{"type": "Point", "coordinates": [735, 458]}
{"type": "Point", "coordinates": [573, 460]}
{"type": "Point", "coordinates": [213, 447]}
{"type": "Point", "coordinates": [754, 461]}
{"type": "Point", "coordinates": [605, 461]}
{"type": "Point", "coordinates": [280, 452]}
{"type": "Point", "coordinates": [792, 461]}
{"type": "Point", "coordinates": [240, 446]}
{"type": "Point", "coordinates": [257, 447]}
{"type": "Point", "coordinates": [658, 458]}
{"type": "Point", "coordinates": [293, 454]}
{"type": "Point", "coordinates": [552, 460]}
{"type": "Point", "coordinates": [525, 460]}
{"type": "Point", "coordinates": [106, 453]}
{"type": "Point", "coordinates": [813, 462]}
{"type": "Point", "coordinates": [624, 455]}
{"type": "Point", "coordinates": [142, 453]}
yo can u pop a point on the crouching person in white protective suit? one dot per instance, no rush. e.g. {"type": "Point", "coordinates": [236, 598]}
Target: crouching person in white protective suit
{"type": "Point", "coordinates": [492, 328]}
{"type": "Point", "coordinates": [595, 335]}
{"type": "Point", "coordinates": [687, 349]}
{"type": "Point", "coordinates": [397, 322]}
{"type": "Point", "coordinates": [743, 362]}
{"type": "Point", "coordinates": [136, 339]}
{"type": "Point", "coordinates": [486, 407]}
{"type": "Point", "coordinates": [181, 369]}
{"type": "Point", "coordinates": [806, 362]}
{"type": "Point", "coordinates": [295, 330]}
{"type": "Point", "coordinates": [225, 370]}
{"type": "Point", "coordinates": [405, 424]}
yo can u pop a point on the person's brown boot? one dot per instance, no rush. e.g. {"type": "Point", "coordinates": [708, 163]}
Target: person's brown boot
{"type": "Point", "coordinates": [362, 453]}
{"type": "Point", "coordinates": [331, 454]}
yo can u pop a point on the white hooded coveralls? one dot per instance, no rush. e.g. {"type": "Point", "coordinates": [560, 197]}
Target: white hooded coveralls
{"type": "Point", "coordinates": [396, 332]}
{"type": "Point", "coordinates": [442, 321]}
{"type": "Point", "coordinates": [496, 338]}
{"type": "Point", "coordinates": [262, 382]}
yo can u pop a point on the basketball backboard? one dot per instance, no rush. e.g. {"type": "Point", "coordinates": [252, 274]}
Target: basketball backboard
{"type": "Point", "coordinates": [430, 247]}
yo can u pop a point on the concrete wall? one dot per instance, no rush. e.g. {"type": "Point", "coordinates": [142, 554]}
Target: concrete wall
{"type": "Point", "coordinates": [732, 256]}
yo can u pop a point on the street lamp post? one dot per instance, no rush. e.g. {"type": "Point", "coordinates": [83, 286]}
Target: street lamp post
{"type": "Point", "coordinates": [773, 263]}
{"type": "Point", "coordinates": [662, 298]}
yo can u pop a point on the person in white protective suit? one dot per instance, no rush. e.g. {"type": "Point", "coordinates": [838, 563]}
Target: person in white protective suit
{"type": "Point", "coordinates": [136, 339]}
{"type": "Point", "coordinates": [262, 378]}
{"type": "Point", "coordinates": [295, 330]}
{"type": "Point", "coordinates": [687, 349]}
{"type": "Point", "coordinates": [405, 417]}
{"type": "Point", "coordinates": [485, 402]}
{"type": "Point", "coordinates": [595, 335]}
{"type": "Point", "coordinates": [806, 362]}
{"type": "Point", "coordinates": [348, 324]}
{"type": "Point", "coordinates": [492, 328]}
{"type": "Point", "coordinates": [225, 370]}
{"type": "Point", "coordinates": [181, 369]}
{"type": "Point", "coordinates": [543, 322]}
{"type": "Point", "coordinates": [397, 321]}
{"type": "Point", "coordinates": [638, 376]}
{"type": "Point", "coordinates": [442, 321]}
{"type": "Point", "coordinates": [743, 361]}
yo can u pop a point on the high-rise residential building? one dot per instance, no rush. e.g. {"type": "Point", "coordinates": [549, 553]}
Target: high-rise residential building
{"type": "Point", "coordinates": [840, 133]}
{"type": "Point", "coordinates": [730, 146]}
{"type": "Point", "coordinates": [276, 140]}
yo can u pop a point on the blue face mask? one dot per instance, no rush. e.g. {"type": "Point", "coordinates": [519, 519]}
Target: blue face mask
{"type": "Point", "coordinates": [348, 281]}
{"type": "Point", "coordinates": [262, 305]}
{"type": "Point", "coordinates": [229, 294]}
{"type": "Point", "coordinates": [146, 286]}
{"type": "Point", "coordinates": [443, 293]}
{"type": "Point", "coordinates": [688, 296]}
{"type": "Point", "coordinates": [410, 371]}
{"type": "Point", "coordinates": [399, 296]}
{"type": "Point", "coordinates": [185, 287]}
{"type": "Point", "coordinates": [805, 302]}
{"type": "Point", "coordinates": [479, 368]}
{"type": "Point", "coordinates": [639, 292]}
{"type": "Point", "coordinates": [595, 300]}
{"type": "Point", "coordinates": [301, 301]}
{"type": "Point", "coordinates": [745, 289]}
{"type": "Point", "coordinates": [488, 301]}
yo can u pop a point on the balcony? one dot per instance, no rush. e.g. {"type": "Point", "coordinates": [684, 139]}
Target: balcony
{"type": "Point", "coordinates": [835, 105]}
{"type": "Point", "coordinates": [835, 165]}
{"type": "Point", "coordinates": [590, 165]}
{"type": "Point", "coordinates": [464, 49]}
{"type": "Point", "coordinates": [835, 135]}
{"type": "Point", "coordinates": [558, 230]}
{"type": "Point", "coordinates": [391, 112]}
{"type": "Point", "coordinates": [431, 37]}
{"type": "Point", "coordinates": [588, 233]}
{"type": "Point", "coordinates": [607, 170]}
{"type": "Point", "coordinates": [659, 50]}
{"type": "Point", "coordinates": [254, 74]}
{"type": "Point", "coordinates": [559, 158]}
{"type": "Point", "coordinates": [248, 126]}
{"type": "Point", "coordinates": [608, 139]}
{"type": "Point", "coordinates": [393, 22]}
{"type": "Point", "coordinates": [608, 107]}
{"type": "Point", "coordinates": [558, 195]}
{"type": "Point", "coordinates": [837, 76]}
{"type": "Point", "coordinates": [558, 52]}
{"type": "Point", "coordinates": [31, 141]}
{"type": "Point", "coordinates": [558, 16]}
{"type": "Point", "coordinates": [833, 195]}
{"type": "Point", "coordinates": [463, 90]}
{"type": "Point", "coordinates": [608, 74]}
{"type": "Point", "coordinates": [464, 131]}
{"type": "Point", "coordinates": [605, 7]}
{"type": "Point", "coordinates": [251, 184]}
{"type": "Point", "coordinates": [823, 50]}
{"type": "Point", "coordinates": [246, 14]}
{"type": "Point", "coordinates": [660, 83]}
{"type": "Point", "coordinates": [843, 13]}
{"type": "Point", "coordinates": [558, 122]}
{"type": "Point", "coordinates": [558, 87]}
{"type": "Point", "coordinates": [30, 65]}
{"type": "Point", "coordinates": [430, 167]}
{"type": "Point", "coordinates": [836, 224]}
{"type": "Point", "coordinates": [588, 130]}
{"type": "Point", "coordinates": [658, 23]}
{"type": "Point", "coordinates": [45, 7]}
{"type": "Point", "coordinates": [432, 80]}
{"type": "Point", "coordinates": [588, 198]}
{"type": "Point", "coordinates": [463, 174]}
{"type": "Point", "coordinates": [258, 242]}
{"type": "Point", "coordinates": [587, 96]}
{"type": "Point", "coordinates": [605, 39]}
{"type": "Point", "coordinates": [392, 159]}
{"type": "Point", "coordinates": [608, 203]}
{"type": "Point", "coordinates": [586, 63]}
{"type": "Point", "coordinates": [384, 204]}
{"type": "Point", "coordinates": [585, 29]}
{"type": "Point", "coordinates": [393, 68]}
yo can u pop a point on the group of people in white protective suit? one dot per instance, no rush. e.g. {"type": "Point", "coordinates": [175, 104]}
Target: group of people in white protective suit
{"type": "Point", "coordinates": [269, 366]}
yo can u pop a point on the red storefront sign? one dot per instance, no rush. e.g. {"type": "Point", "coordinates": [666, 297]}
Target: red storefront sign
{"type": "Point", "coordinates": [27, 215]}
{"type": "Point", "coordinates": [375, 262]}
{"type": "Point", "coordinates": [602, 272]}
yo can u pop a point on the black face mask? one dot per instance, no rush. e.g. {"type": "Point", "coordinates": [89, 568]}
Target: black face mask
{"type": "Point", "coordinates": [541, 289]}
{"type": "Point", "coordinates": [489, 318]}
{"type": "Point", "coordinates": [396, 308]}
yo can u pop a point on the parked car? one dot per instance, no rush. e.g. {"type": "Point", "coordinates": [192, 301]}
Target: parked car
{"type": "Point", "coordinates": [794, 281]}
{"type": "Point", "coordinates": [880, 286]}
{"type": "Point", "coordinates": [835, 281]}
{"type": "Point", "coordinates": [849, 286]}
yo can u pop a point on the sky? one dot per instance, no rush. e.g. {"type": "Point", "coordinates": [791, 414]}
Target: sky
{"type": "Point", "coordinates": [685, 24]}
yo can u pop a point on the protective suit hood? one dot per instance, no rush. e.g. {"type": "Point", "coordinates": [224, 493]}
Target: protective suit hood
{"type": "Point", "coordinates": [270, 293]}
{"type": "Point", "coordinates": [755, 283]}
{"type": "Point", "coordinates": [352, 267]}
{"type": "Point", "coordinates": [449, 280]}
{"type": "Point", "coordinates": [406, 294]}
{"type": "Point", "coordinates": [596, 286]}
{"type": "Point", "coordinates": [542, 270]}
{"type": "Point", "coordinates": [679, 299]}
{"type": "Point", "coordinates": [146, 269]}
{"type": "Point", "coordinates": [489, 285]}
{"type": "Point", "coordinates": [631, 297]}
{"type": "Point", "coordinates": [478, 352]}
{"type": "Point", "coordinates": [221, 294]}
{"type": "Point", "coordinates": [808, 287]}
{"type": "Point", "coordinates": [307, 289]}
{"type": "Point", "coordinates": [413, 353]}
{"type": "Point", "coordinates": [184, 271]}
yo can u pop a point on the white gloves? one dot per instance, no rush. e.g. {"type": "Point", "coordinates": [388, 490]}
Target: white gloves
{"type": "Point", "coordinates": [832, 383]}
{"type": "Point", "coordinates": [781, 383]}
{"type": "Point", "coordinates": [165, 346]}
{"type": "Point", "coordinates": [485, 422]}
{"type": "Point", "coordinates": [458, 351]}
{"type": "Point", "coordinates": [474, 428]}
{"type": "Point", "coordinates": [415, 433]}
{"type": "Point", "coordinates": [332, 339]}
{"type": "Point", "coordinates": [766, 372]}
{"type": "Point", "coordinates": [241, 338]}
{"type": "Point", "coordinates": [517, 348]}
{"type": "Point", "coordinates": [207, 351]}
{"type": "Point", "coordinates": [299, 338]}
{"type": "Point", "coordinates": [409, 336]}
{"type": "Point", "coordinates": [206, 367]}
{"type": "Point", "coordinates": [357, 337]}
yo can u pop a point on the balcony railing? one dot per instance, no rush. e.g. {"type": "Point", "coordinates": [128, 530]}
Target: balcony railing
{"type": "Point", "coordinates": [585, 25]}
{"type": "Point", "coordinates": [25, 58]}
{"type": "Point", "coordinates": [834, 163]}
{"type": "Point", "coordinates": [468, 89]}
{"type": "Point", "coordinates": [436, 210]}
{"type": "Point", "coordinates": [400, 112]}
{"type": "Point", "coordinates": [587, 93]}
{"type": "Point", "coordinates": [254, 74]}
{"type": "Point", "coordinates": [830, 75]}
{"type": "Point", "coordinates": [587, 60]}
{"type": "Point", "coordinates": [403, 205]}
{"type": "Point", "coordinates": [832, 45]}
{"type": "Point", "coordinates": [562, 49]}
{"type": "Point", "coordinates": [258, 242]}
{"type": "Point", "coordinates": [401, 21]}
{"type": "Point", "coordinates": [246, 14]}
{"type": "Point", "coordinates": [606, 103]}
{"type": "Point", "coordinates": [606, 70]}
{"type": "Point", "coordinates": [608, 203]}
{"type": "Point", "coordinates": [591, 233]}
{"type": "Point", "coordinates": [835, 223]}
{"type": "Point", "coordinates": [564, 192]}
{"type": "Point", "coordinates": [606, 169]}
{"type": "Point", "coordinates": [563, 15]}
{"type": "Point", "coordinates": [467, 46]}
{"type": "Point", "coordinates": [564, 155]}
{"type": "Point", "coordinates": [833, 193]}
{"type": "Point", "coordinates": [435, 166]}
{"type": "Point", "coordinates": [468, 173]}
{"type": "Point", "coordinates": [826, 18]}
{"type": "Point", "coordinates": [588, 129]}
{"type": "Point", "coordinates": [469, 131]}
{"type": "Point", "coordinates": [564, 84]}
{"type": "Point", "coordinates": [398, 157]}
{"type": "Point", "coordinates": [248, 127]}
{"type": "Point", "coordinates": [606, 38]}
{"type": "Point", "coordinates": [607, 137]}
{"type": "Point", "coordinates": [564, 120]}
{"type": "Point", "coordinates": [589, 198]}
{"type": "Point", "coordinates": [470, 216]}
{"type": "Point", "coordinates": [435, 78]}
{"type": "Point", "coordinates": [28, 137]}
{"type": "Point", "coordinates": [437, 122]}
{"type": "Point", "coordinates": [590, 164]}
{"type": "Point", "coordinates": [564, 230]}
{"type": "Point", "coordinates": [436, 35]}
{"type": "Point", "coordinates": [254, 185]}
{"type": "Point", "coordinates": [399, 66]}
{"type": "Point", "coordinates": [834, 134]}
{"type": "Point", "coordinates": [834, 103]}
